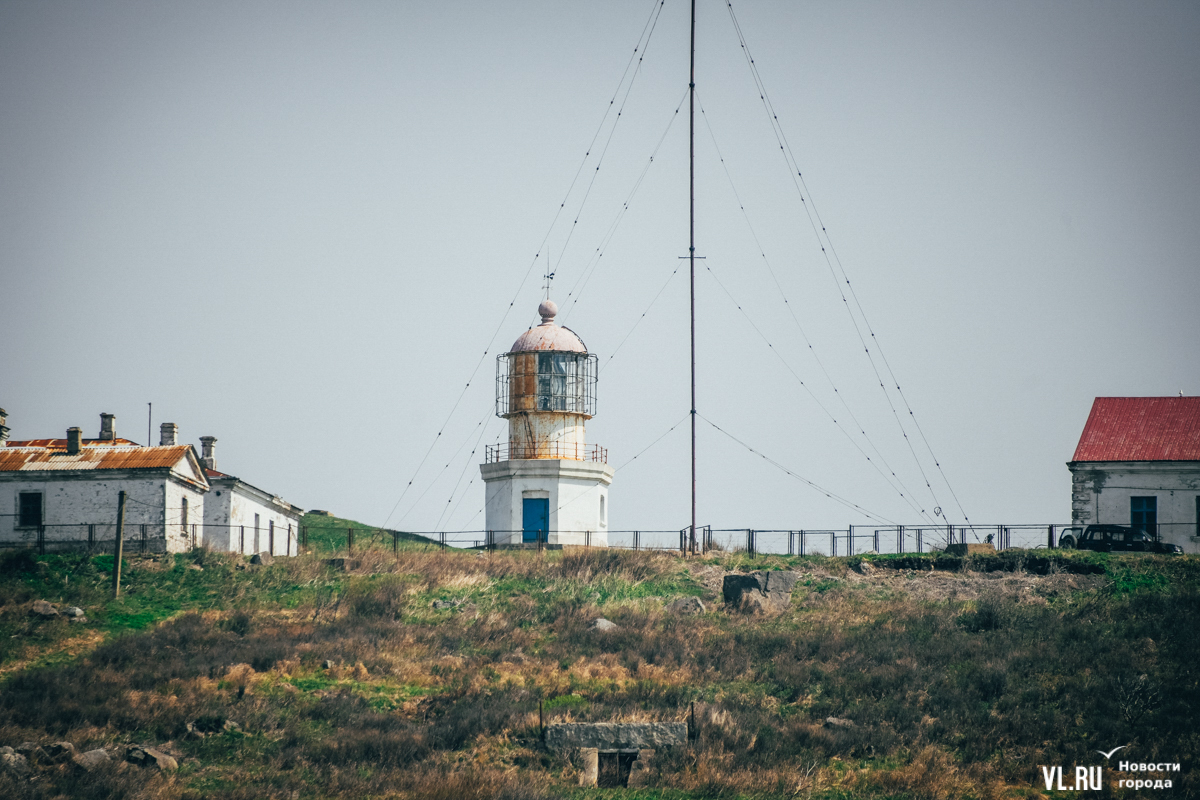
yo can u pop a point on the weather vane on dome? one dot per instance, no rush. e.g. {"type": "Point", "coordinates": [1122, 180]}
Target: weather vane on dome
{"type": "Point", "coordinates": [549, 276]}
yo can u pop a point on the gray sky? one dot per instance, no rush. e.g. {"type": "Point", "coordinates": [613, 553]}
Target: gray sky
{"type": "Point", "coordinates": [297, 226]}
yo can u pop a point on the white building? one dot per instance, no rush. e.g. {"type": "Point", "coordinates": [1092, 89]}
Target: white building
{"type": "Point", "coordinates": [1138, 464]}
{"type": "Point", "coordinates": [63, 493]}
{"type": "Point", "coordinates": [546, 484]}
{"type": "Point", "coordinates": [241, 518]}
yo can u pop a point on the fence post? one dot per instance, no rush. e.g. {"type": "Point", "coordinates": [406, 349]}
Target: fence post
{"type": "Point", "coordinates": [1050, 537]}
{"type": "Point", "coordinates": [242, 541]}
{"type": "Point", "coordinates": [900, 539]}
{"type": "Point", "coordinates": [802, 541]}
{"type": "Point", "coordinates": [350, 541]}
{"type": "Point", "coordinates": [144, 539]}
{"type": "Point", "coordinates": [442, 536]}
{"type": "Point", "coordinates": [876, 540]}
{"type": "Point", "coordinates": [91, 537]}
{"type": "Point", "coordinates": [120, 545]}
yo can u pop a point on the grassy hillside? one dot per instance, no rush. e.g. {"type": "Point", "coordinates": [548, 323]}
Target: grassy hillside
{"type": "Point", "coordinates": [328, 534]}
{"type": "Point", "coordinates": [960, 681]}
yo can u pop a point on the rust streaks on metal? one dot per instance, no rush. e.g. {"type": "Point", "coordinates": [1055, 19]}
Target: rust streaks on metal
{"type": "Point", "coordinates": [30, 459]}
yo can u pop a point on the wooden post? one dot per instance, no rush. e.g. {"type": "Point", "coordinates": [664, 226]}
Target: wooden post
{"type": "Point", "coordinates": [242, 541]}
{"type": "Point", "coordinates": [541, 723]}
{"type": "Point", "coordinates": [120, 545]}
{"type": "Point", "coordinates": [692, 732]}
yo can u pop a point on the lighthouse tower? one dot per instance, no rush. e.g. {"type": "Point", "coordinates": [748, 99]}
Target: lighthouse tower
{"type": "Point", "coordinates": [547, 484]}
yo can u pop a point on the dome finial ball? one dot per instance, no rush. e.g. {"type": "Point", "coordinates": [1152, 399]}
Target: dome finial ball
{"type": "Point", "coordinates": [548, 309]}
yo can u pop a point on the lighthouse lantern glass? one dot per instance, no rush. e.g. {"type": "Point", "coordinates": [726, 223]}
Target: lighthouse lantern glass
{"type": "Point", "coordinates": [546, 381]}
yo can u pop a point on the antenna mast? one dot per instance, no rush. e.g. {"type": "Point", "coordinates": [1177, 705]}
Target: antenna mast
{"type": "Point", "coordinates": [692, 249]}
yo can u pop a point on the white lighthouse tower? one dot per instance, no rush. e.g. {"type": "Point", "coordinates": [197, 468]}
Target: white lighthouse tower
{"type": "Point", "coordinates": [547, 484]}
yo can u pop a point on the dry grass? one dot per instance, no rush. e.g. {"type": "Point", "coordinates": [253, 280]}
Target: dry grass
{"type": "Point", "coordinates": [957, 682]}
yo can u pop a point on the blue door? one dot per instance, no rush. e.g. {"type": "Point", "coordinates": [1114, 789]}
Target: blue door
{"type": "Point", "coordinates": [535, 518]}
{"type": "Point", "coordinates": [1143, 514]}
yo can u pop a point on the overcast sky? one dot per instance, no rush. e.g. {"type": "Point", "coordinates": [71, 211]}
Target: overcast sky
{"type": "Point", "coordinates": [299, 226]}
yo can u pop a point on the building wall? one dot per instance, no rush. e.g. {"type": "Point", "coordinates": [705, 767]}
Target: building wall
{"type": "Point", "coordinates": [70, 503]}
{"type": "Point", "coordinates": [1101, 492]}
{"type": "Point", "coordinates": [231, 524]}
{"type": "Point", "coordinates": [574, 489]}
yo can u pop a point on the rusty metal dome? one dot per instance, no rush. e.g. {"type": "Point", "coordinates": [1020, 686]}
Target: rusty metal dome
{"type": "Point", "coordinates": [548, 336]}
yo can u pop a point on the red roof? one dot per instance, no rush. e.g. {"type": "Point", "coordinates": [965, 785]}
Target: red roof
{"type": "Point", "coordinates": [1141, 429]}
{"type": "Point", "coordinates": [35, 459]}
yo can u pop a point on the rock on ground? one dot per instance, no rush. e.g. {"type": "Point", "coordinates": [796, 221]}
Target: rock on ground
{"type": "Point", "coordinates": [42, 608]}
{"type": "Point", "coordinates": [59, 751]}
{"type": "Point", "coordinates": [12, 762]}
{"type": "Point", "coordinates": [758, 592]}
{"type": "Point", "coordinates": [686, 605]}
{"type": "Point", "coordinates": [604, 625]}
{"type": "Point", "coordinates": [91, 759]}
{"type": "Point", "coordinates": [150, 757]}
{"type": "Point", "coordinates": [838, 722]}
{"type": "Point", "coordinates": [264, 558]}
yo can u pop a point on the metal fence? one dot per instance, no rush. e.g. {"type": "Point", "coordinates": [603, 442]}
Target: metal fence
{"type": "Point", "coordinates": [146, 538]}
{"type": "Point", "coordinates": [288, 541]}
{"type": "Point", "coordinates": [852, 540]}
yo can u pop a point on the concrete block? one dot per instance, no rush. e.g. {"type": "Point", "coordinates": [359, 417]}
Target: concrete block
{"type": "Point", "coordinates": [589, 769]}
{"type": "Point", "coordinates": [564, 736]}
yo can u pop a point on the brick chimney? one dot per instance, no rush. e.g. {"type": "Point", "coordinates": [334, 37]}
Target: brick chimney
{"type": "Point", "coordinates": [74, 441]}
{"type": "Point", "coordinates": [3, 427]}
{"type": "Point", "coordinates": [167, 433]}
{"type": "Point", "coordinates": [108, 427]}
{"type": "Point", "coordinates": [208, 455]}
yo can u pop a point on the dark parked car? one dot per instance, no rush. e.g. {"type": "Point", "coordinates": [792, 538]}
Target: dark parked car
{"type": "Point", "coordinates": [1113, 538]}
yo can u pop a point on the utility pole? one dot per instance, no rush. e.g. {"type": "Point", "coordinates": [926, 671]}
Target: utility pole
{"type": "Point", "coordinates": [119, 550]}
{"type": "Point", "coordinates": [692, 248]}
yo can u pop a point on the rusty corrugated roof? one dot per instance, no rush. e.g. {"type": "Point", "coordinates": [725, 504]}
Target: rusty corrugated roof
{"type": "Point", "coordinates": [61, 444]}
{"type": "Point", "coordinates": [1141, 429]}
{"type": "Point", "coordinates": [34, 459]}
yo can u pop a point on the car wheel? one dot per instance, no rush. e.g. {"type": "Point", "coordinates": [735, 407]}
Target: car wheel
{"type": "Point", "coordinates": [1066, 543]}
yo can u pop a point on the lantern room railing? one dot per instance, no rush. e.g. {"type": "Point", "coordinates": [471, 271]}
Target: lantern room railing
{"type": "Point", "coordinates": [495, 453]}
{"type": "Point", "coordinates": [546, 381]}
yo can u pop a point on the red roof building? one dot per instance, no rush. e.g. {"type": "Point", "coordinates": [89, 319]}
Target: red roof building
{"type": "Point", "coordinates": [1138, 464]}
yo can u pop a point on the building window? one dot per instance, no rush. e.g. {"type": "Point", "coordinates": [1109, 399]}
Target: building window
{"type": "Point", "coordinates": [602, 504]}
{"type": "Point", "coordinates": [30, 510]}
{"type": "Point", "coordinates": [1143, 514]}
